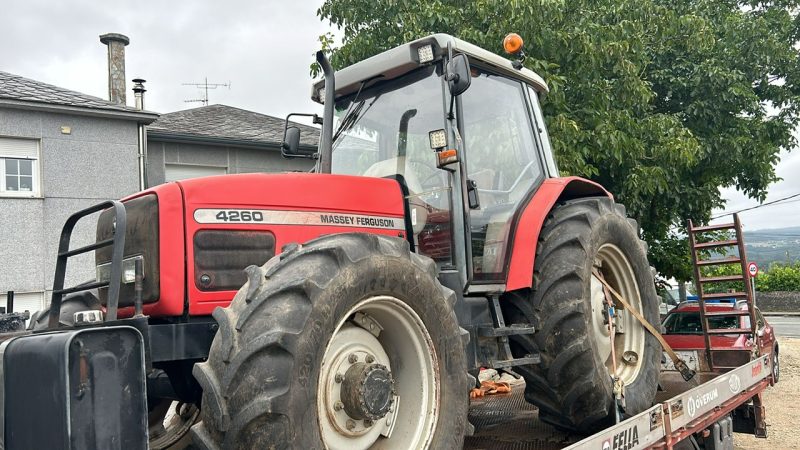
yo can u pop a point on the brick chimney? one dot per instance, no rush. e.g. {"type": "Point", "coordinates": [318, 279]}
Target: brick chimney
{"type": "Point", "coordinates": [116, 65]}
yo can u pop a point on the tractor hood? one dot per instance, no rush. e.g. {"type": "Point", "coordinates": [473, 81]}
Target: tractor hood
{"type": "Point", "coordinates": [235, 221]}
{"type": "Point", "coordinates": [195, 237]}
{"type": "Point", "coordinates": [296, 191]}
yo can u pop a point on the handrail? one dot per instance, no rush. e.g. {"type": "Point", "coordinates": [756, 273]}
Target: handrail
{"type": "Point", "coordinates": [64, 253]}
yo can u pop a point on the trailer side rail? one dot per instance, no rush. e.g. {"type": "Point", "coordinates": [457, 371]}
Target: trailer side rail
{"type": "Point", "coordinates": [690, 412]}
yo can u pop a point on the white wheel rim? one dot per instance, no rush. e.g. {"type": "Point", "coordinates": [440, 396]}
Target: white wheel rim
{"type": "Point", "coordinates": [176, 422]}
{"type": "Point", "coordinates": [775, 366]}
{"type": "Point", "coordinates": [404, 346]}
{"type": "Point", "coordinates": [629, 343]}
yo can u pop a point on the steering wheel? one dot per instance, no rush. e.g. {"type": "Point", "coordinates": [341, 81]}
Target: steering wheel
{"type": "Point", "coordinates": [499, 192]}
{"type": "Point", "coordinates": [430, 177]}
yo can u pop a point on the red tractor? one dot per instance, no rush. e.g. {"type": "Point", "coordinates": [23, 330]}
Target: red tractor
{"type": "Point", "coordinates": [435, 237]}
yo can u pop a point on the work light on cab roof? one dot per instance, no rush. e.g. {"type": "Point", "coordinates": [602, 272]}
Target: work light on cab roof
{"type": "Point", "coordinates": [512, 44]}
{"type": "Point", "coordinates": [425, 54]}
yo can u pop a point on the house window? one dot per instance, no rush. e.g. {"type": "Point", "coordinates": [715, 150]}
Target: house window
{"type": "Point", "coordinates": [19, 167]}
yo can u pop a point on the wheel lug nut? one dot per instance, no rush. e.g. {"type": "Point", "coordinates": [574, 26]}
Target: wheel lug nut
{"type": "Point", "coordinates": [338, 406]}
{"type": "Point", "coordinates": [351, 424]}
{"type": "Point", "coordinates": [367, 423]}
{"type": "Point", "coordinates": [353, 358]}
{"type": "Point", "coordinates": [339, 378]}
{"type": "Point", "coordinates": [370, 359]}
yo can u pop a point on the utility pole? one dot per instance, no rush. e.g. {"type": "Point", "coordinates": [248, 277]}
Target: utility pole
{"type": "Point", "coordinates": [205, 86]}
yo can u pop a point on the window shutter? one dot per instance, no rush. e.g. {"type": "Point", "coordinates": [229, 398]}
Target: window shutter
{"type": "Point", "coordinates": [19, 148]}
{"type": "Point", "coordinates": [25, 301]}
{"type": "Point", "coordinates": [175, 172]}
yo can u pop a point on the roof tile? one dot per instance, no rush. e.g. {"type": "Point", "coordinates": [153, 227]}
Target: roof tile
{"type": "Point", "coordinates": [227, 122]}
{"type": "Point", "coordinates": [15, 87]}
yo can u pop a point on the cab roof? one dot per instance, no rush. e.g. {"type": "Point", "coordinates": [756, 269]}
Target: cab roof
{"type": "Point", "coordinates": [401, 60]}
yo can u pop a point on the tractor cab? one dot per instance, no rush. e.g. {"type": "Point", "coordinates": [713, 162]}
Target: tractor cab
{"type": "Point", "coordinates": [461, 128]}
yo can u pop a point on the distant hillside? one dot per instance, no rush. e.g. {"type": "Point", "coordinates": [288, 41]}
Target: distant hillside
{"type": "Point", "coordinates": [773, 245]}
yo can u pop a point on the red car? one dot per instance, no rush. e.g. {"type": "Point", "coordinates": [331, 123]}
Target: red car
{"type": "Point", "coordinates": [683, 331]}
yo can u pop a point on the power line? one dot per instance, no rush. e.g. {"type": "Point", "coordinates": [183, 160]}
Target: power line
{"type": "Point", "coordinates": [757, 206]}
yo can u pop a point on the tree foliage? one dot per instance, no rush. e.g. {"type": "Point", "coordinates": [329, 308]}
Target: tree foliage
{"type": "Point", "coordinates": [661, 101]}
{"type": "Point", "coordinates": [779, 277]}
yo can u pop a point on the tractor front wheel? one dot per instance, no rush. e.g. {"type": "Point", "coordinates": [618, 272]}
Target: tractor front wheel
{"type": "Point", "coordinates": [346, 342]}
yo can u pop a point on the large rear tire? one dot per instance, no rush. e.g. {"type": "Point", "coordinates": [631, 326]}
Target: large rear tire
{"type": "Point", "coordinates": [573, 384]}
{"type": "Point", "coordinates": [330, 345]}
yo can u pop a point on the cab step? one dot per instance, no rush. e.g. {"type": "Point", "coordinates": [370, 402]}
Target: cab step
{"type": "Point", "coordinates": [500, 364]}
{"type": "Point", "coordinates": [512, 330]}
{"type": "Point", "coordinates": [502, 332]}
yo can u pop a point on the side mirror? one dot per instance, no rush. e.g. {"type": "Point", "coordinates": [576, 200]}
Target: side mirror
{"type": "Point", "coordinates": [458, 75]}
{"type": "Point", "coordinates": [291, 142]}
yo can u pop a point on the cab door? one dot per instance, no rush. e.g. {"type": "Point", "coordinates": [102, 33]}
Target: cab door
{"type": "Point", "coordinates": [503, 166]}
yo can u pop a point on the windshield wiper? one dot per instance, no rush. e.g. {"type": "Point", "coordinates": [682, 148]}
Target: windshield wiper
{"type": "Point", "coordinates": [347, 115]}
{"type": "Point", "coordinates": [353, 117]}
{"type": "Point", "coordinates": [348, 120]}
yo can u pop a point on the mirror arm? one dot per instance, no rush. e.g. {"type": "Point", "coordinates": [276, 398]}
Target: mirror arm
{"type": "Point", "coordinates": [284, 146]}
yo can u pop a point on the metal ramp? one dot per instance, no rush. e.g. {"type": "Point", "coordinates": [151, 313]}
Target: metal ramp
{"type": "Point", "coordinates": [700, 249]}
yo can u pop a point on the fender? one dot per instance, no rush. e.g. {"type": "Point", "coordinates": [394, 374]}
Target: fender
{"type": "Point", "coordinates": [527, 229]}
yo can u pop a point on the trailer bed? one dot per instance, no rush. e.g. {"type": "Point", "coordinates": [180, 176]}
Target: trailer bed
{"type": "Point", "coordinates": [508, 422]}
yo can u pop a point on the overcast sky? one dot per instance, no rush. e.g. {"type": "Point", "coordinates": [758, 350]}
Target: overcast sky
{"type": "Point", "coordinates": [262, 48]}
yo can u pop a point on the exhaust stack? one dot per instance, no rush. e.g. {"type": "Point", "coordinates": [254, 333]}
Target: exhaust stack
{"type": "Point", "coordinates": [138, 92]}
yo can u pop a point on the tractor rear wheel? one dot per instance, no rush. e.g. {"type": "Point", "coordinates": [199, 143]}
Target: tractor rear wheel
{"type": "Point", "coordinates": [572, 386]}
{"type": "Point", "coordinates": [346, 342]}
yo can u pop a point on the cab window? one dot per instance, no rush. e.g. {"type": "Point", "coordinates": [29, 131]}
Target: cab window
{"type": "Point", "coordinates": [383, 132]}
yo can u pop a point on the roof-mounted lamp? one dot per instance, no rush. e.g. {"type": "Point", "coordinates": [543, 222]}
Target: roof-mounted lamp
{"type": "Point", "coordinates": [512, 44]}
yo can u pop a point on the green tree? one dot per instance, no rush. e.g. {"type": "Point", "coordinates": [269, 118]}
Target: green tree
{"type": "Point", "coordinates": [661, 101]}
{"type": "Point", "coordinates": [780, 277]}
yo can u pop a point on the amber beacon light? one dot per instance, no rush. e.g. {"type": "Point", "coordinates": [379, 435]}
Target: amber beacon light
{"type": "Point", "coordinates": [512, 43]}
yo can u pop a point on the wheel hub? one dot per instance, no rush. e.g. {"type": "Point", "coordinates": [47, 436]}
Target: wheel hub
{"type": "Point", "coordinates": [367, 391]}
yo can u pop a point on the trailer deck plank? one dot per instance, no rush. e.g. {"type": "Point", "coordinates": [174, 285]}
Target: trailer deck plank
{"type": "Point", "coordinates": [508, 422]}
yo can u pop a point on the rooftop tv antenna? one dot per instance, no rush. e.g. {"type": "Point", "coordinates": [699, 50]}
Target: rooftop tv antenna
{"type": "Point", "coordinates": [205, 86]}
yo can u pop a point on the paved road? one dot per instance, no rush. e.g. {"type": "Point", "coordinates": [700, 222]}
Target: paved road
{"type": "Point", "coordinates": [785, 326]}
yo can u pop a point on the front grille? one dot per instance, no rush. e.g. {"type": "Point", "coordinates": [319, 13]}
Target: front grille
{"type": "Point", "coordinates": [141, 238]}
{"type": "Point", "coordinates": [220, 257]}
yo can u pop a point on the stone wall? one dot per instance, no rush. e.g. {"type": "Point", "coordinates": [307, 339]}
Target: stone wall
{"type": "Point", "coordinates": [778, 301]}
